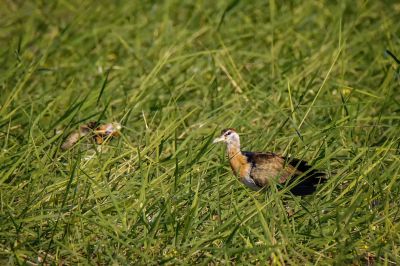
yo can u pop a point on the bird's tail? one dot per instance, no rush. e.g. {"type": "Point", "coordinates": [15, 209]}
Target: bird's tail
{"type": "Point", "coordinates": [307, 184]}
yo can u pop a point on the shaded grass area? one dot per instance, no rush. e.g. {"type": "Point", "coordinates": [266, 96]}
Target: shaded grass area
{"type": "Point", "coordinates": [298, 78]}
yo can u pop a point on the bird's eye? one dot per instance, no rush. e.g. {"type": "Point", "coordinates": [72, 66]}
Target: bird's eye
{"type": "Point", "coordinates": [228, 133]}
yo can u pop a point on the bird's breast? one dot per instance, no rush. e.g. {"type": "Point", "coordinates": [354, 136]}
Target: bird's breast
{"type": "Point", "coordinates": [240, 166]}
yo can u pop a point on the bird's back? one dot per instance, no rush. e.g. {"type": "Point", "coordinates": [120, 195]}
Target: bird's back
{"type": "Point", "coordinates": [268, 166]}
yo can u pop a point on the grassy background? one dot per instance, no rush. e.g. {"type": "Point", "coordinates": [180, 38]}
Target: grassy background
{"type": "Point", "coordinates": [310, 79]}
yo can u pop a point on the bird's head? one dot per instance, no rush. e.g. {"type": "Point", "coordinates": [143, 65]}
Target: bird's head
{"type": "Point", "coordinates": [228, 136]}
{"type": "Point", "coordinates": [109, 129]}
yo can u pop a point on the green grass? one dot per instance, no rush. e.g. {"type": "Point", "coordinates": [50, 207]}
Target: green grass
{"type": "Point", "coordinates": [305, 78]}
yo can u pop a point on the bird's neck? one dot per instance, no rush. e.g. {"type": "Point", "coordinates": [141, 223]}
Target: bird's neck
{"type": "Point", "coordinates": [237, 160]}
{"type": "Point", "coordinates": [233, 150]}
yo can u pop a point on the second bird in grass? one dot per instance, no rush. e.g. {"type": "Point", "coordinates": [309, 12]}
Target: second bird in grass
{"type": "Point", "coordinates": [259, 169]}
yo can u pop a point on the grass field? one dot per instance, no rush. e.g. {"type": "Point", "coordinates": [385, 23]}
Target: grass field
{"type": "Point", "coordinates": [305, 78]}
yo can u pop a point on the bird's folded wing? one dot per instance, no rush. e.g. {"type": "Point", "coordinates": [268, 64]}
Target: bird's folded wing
{"type": "Point", "coordinates": [267, 167]}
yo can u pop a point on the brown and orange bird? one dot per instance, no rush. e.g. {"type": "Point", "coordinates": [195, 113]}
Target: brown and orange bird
{"type": "Point", "coordinates": [258, 169]}
{"type": "Point", "coordinates": [99, 132]}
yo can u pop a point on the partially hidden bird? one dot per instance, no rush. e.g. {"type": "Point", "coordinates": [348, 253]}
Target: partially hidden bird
{"type": "Point", "coordinates": [259, 169]}
{"type": "Point", "coordinates": [99, 132]}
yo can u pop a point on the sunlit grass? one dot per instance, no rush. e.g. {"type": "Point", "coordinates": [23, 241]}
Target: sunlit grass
{"type": "Point", "coordinates": [306, 79]}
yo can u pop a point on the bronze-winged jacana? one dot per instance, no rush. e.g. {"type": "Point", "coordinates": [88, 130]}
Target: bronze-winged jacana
{"type": "Point", "coordinates": [258, 169]}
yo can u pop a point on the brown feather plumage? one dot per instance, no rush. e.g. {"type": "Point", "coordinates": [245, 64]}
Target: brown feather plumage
{"type": "Point", "coordinates": [266, 166]}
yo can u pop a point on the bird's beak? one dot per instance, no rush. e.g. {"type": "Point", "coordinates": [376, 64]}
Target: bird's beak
{"type": "Point", "coordinates": [219, 139]}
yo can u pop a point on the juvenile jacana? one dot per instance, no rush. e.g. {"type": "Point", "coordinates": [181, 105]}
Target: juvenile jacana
{"type": "Point", "coordinates": [100, 133]}
{"type": "Point", "coordinates": [259, 169]}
